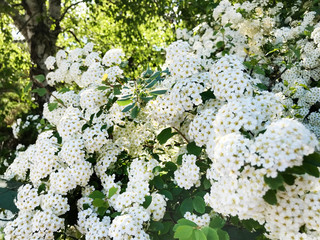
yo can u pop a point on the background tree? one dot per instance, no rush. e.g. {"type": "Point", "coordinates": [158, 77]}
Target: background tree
{"type": "Point", "coordinates": [141, 28]}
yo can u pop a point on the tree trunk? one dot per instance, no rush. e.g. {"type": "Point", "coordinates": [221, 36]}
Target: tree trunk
{"type": "Point", "coordinates": [40, 26]}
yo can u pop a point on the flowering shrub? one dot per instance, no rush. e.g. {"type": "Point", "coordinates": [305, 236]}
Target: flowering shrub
{"type": "Point", "coordinates": [226, 133]}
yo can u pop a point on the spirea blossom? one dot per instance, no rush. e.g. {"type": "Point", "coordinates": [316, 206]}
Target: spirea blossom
{"type": "Point", "coordinates": [188, 175]}
{"type": "Point", "coordinates": [283, 145]}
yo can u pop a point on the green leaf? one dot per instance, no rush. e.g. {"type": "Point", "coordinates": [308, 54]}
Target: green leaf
{"type": "Point", "coordinates": [217, 222]}
{"type": "Point", "coordinates": [272, 51]}
{"type": "Point", "coordinates": [223, 235]}
{"type": "Point", "coordinates": [199, 235]}
{"type": "Point", "coordinates": [52, 106]}
{"type": "Point", "coordinates": [98, 202]}
{"type": "Point", "coordinates": [128, 108]}
{"type": "Point", "coordinates": [26, 89]}
{"type": "Point", "coordinates": [167, 194]}
{"type": "Point", "coordinates": [40, 78]}
{"type": "Point", "coordinates": [158, 182]}
{"type": "Point", "coordinates": [156, 169]}
{"type": "Point", "coordinates": [164, 135]}
{"type": "Point", "coordinates": [102, 88]}
{"type": "Point", "coordinates": [183, 232]}
{"type": "Point", "coordinates": [239, 234]}
{"type": "Point", "coordinates": [123, 64]}
{"type": "Point", "coordinates": [7, 197]}
{"type": "Point", "coordinates": [156, 226]}
{"type": "Point", "coordinates": [171, 166]}
{"type": "Point", "coordinates": [248, 64]}
{"type": "Point", "coordinates": [152, 83]}
{"type": "Point", "coordinates": [220, 44]}
{"type": "Point", "coordinates": [103, 127]}
{"type": "Point", "coordinates": [147, 201]}
{"type": "Point", "coordinates": [158, 92]}
{"type": "Point", "coordinates": [184, 221]}
{"type": "Point", "coordinates": [295, 106]}
{"type": "Point", "coordinates": [117, 89]}
{"type": "Point", "coordinates": [259, 70]}
{"type": "Point", "coordinates": [124, 102]}
{"type": "Point", "coordinates": [270, 197]}
{"type": "Point", "coordinates": [288, 178]}
{"type": "Point", "coordinates": [134, 112]}
{"type": "Point", "coordinates": [115, 214]}
{"type": "Point", "coordinates": [40, 91]}
{"type": "Point", "coordinates": [64, 90]}
{"type": "Point", "coordinates": [313, 158]}
{"type": "Point", "coordinates": [262, 86]}
{"type": "Point", "coordinates": [102, 211]}
{"type": "Point", "coordinates": [179, 159]}
{"type": "Point", "coordinates": [186, 206]}
{"type": "Point", "coordinates": [112, 191]}
{"type": "Point", "coordinates": [84, 127]}
{"type": "Point", "coordinates": [274, 183]}
{"type": "Point", "coordinates": [304, 86]}
{"type": "Point", "coordinates": [206, 184]}
{"type": "Point", "coordinates": [298, 116]}
{"type": "Point", "coordinates": [207, 95]}
{"type": "Point", "coordinates": [99, 113]}
{"type": "Point", "coordinates": [146, 99]}
{"type": "Point", "coordinates": [250, 224]}
{"type": "Point", "coordinates": [192, 148]}
{"type": "Point", "coordinates": [166, 227]}
{"type": "Point", "coordinates": [296, 170]}
{"type": "Point", "coordinates": [41, 188]}
{"type": "Point", "coordinates": [85, 206]}
{"type": "Point", "coordinates": [199, 204]}
{"type": "Point", "coordinates": [148, 72]}
{"type": "Point", "coordinates": [210, 233]}
{"type": "Point", "coordinates": [155, 75]}
{"type": "Point", "coordinates": [97, 194]}
{"type": "Point", "coordinates": [311, 169]}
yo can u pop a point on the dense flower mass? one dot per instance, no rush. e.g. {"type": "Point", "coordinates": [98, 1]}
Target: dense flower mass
{"type": "Point", "coordinates": [232, 131]}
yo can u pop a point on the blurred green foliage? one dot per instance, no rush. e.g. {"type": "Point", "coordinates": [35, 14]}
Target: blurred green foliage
{"type": "Point", "coordinates": [14, 72]}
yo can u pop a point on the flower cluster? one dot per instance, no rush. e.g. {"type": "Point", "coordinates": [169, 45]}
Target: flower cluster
{"type": "Point", "coordinates": [228, 79]}
{"type": "Point", "coordinates": [83, 66]}
{"type": "Point", "coordinates": [188, 174]}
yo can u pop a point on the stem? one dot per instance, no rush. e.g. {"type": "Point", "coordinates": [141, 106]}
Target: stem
{"type": "Point", "coordinates": [181, 134]}
{"type": "Point", "coordinates": [58, 100]}
{"type": "Point", "coordinates": [119, 81]}
{"type": "Point", "coordinates": [280, 74]}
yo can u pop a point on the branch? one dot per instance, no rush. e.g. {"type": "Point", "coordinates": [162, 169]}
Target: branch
{"type": "Point", "coordinates": [19, 41]}
{"type": "Point", "coordinates": [74, 35]}
{"type": "Point", "coordinates": [25, 23]}
{"type": "Point", "coordinates": [67, 9]}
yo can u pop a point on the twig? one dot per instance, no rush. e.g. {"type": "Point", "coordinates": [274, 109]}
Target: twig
{"type": "Point", "coordinates": [280, 74]}
{"type": "Point", "coordinates": [26, 22]}
{"type": "Point", "coordinates": [67, 9]}
{"type": "Point", "coordinates": [74, 35]}
{"type": "Point", "coordinates": [58, 100]}
{"type": "Point", "coordinates": [182, 135]}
